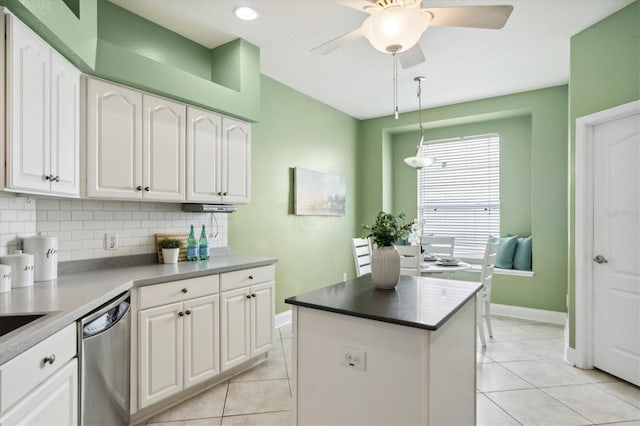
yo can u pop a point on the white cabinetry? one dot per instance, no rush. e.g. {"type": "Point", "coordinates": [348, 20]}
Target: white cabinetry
{"type": "Point", "coordinates": [218, 158]}
{"type": "Point", "coordinates": [247, 314]}
{"type": "Point", "coordinates": [178, 341]}
{"type": "Point", "coordinates": [42, 116]}
{"type": "Point", "coordinates": [40, 386]}
{"type": "Point", "coordinates": [135, 144]}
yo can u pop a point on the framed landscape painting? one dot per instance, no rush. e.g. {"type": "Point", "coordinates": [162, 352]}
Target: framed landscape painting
{"type": "Point", "coordinates": [318, 193]}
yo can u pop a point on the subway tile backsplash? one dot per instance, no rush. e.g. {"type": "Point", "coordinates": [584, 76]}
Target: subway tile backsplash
{"type": "Point", "coordinates": [80, 225]}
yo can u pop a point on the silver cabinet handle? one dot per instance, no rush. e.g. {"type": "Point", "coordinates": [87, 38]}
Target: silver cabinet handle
{"type": "Point", "coordinates": [49, 359]}
{"type": "Point", "coordinates": [600, 259]}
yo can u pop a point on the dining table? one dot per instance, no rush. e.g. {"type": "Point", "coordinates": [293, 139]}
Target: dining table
{"type": "Point", "coordinates": [435, 267]}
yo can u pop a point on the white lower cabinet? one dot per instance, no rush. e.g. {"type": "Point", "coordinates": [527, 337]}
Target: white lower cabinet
{"type": "Point", "coordinates": [40, 386]}
{"type": "Point", "coordinates": [54, 402]}
{"type": "Point", "coordinates": [178, 347]}
{"type": "Point", "coordinates": [247, 323]}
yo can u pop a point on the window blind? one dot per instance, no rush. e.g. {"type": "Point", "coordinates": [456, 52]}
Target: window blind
{"type": "Point", "coordinates": [459, 195]}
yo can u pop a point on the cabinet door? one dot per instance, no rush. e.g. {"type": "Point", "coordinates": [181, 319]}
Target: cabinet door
{"type": "Point", "coordinates": [54, 402]}
{"type": "Point", "coordinates": [163, 149]}
{"type": "Point", "coordinates": [201, 339]}
{"type": "Point", "coordinates": [236, 161]}
{"type": "Point", "coordinates": [114, 141]}
{"type": "Point", "coordinates": [262, 317]}
{"type": "Point", "coordinates": [235, 327]}
{"type": "Point", "coordinates": [204, 179]}
{"type": "Point", "coordinates": [160, 353]}
{"type": "Point", "coordinates": [65, 127]}
{"type": "Point", "coordinates": [28, 83]}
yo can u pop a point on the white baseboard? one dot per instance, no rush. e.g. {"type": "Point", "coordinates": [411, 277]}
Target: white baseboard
{"type": "Point", "coordinates": [541, 315]}
{"type": "Point", "coordinates": [283, 318]}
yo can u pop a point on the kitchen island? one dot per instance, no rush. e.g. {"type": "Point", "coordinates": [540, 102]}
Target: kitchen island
{"type": "Point", "coordinates": [362, 355]}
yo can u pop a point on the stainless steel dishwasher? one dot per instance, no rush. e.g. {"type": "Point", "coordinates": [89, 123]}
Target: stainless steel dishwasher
{"type": "Point", "coordinates": [104, 364]}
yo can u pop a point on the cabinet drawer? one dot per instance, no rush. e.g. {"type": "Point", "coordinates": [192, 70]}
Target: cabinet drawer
{"type": "Point", "coordinates": [245, 277]}
{"type": "Point", "coordinates": [177, 291]}
{"type": "Point", "coordinates": [24, 372]}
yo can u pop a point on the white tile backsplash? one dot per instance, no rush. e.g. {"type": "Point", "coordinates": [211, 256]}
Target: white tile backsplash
{"type": "Point", "coordinates": [80, 225]}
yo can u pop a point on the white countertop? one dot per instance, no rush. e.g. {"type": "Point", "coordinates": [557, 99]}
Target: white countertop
{"type": "Point", "coordinates": [73, 296]}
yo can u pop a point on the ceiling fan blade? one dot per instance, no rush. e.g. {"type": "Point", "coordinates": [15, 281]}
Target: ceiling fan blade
{"type": "Point", "coordinates": [411, 57]}
{"type": "Point", "coordinates": [361, 5]}
{"type": "Point", "coordinates": [338, 42]}
{"type": "Point", "coordinates": [491, 17]}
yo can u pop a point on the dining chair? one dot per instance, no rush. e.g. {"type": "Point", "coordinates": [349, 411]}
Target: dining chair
{"type": "Point", "coordinates": [438, 246]}
{"type": "Point", "coordinates": [484, 295]}
{"type": "Point", "coordinates": [362, 255]}
{"type": "Point", "coordinates": [410, 260]}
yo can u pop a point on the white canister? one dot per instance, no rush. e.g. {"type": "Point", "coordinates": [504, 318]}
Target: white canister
{"type": "Point", "coordinates": [21, 268]}
{"type": "Point", "coordinates": [45, 252]}
{"type": "Point", "coordinates": [5, 278]}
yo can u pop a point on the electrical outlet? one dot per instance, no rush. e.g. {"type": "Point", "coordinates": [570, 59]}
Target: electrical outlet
{"type": "Point", "coordinates": [354, 358]}
{"type": "Point", "coordinates": [344, 276]}
{"type": "Point", "coordinates": [111, 241]}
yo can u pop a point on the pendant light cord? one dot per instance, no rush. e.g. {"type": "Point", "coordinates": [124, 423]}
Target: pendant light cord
{"type": "Point", "coordinates": [419, 80]}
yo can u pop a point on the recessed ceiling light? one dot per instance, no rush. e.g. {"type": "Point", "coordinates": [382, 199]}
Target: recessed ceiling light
{"type": "Point", "coordinates": [245, 13]}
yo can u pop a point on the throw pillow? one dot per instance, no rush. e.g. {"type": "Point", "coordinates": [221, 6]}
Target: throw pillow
{"type": "Point", "coordinates": [506, 249]}
{"type": "Point", "coordinates": [522, 255]}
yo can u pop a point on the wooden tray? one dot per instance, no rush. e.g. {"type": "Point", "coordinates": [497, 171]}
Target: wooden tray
{"type": "Point", "coordinates": [182, 256]}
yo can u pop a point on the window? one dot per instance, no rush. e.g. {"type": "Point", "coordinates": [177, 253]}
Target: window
{"type": "Point", "coordinates": [459, 195]}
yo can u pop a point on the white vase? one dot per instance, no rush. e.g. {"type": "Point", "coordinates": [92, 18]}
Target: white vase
{"type": "Point", "coordinates": [385, 267]}
{"type": "Point", "coordinates": [170, 255]}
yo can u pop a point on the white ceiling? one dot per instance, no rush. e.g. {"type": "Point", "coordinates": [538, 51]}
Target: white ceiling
{"type": "Point", "coordinates": [530, 52]}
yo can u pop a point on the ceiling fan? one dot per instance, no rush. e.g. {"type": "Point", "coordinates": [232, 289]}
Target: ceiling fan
{"type": "Point", "coordinates": [395, 26]}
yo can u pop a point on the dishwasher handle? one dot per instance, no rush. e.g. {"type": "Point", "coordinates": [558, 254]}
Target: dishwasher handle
{"type": "Point", "coordinates": [106, 320]}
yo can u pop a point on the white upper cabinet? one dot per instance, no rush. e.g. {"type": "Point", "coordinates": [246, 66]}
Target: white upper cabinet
{"type": "Point", "coordinates": [114, 141]}
{"type": "Point", "coordinates": [42, 116]}
{"type": "Point", "coordinates": [163, 149]}
{"type": "Point", "coordinates": [236, 160]}
{"type": "Point", "coordinates": [218, 158]}
{"type": "Point", "coordinates": [135, 144]}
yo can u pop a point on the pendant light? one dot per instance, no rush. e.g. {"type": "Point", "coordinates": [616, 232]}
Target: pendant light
{"type": "Point", "coordinates": [419, 161]}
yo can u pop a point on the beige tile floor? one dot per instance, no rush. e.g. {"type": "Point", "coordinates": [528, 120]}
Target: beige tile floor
{"type": "Point", "coordinates": [521, 380]}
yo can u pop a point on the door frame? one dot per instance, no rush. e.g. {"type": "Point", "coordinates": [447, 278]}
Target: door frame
{"type": "Point", "coordinates": [582, 356]}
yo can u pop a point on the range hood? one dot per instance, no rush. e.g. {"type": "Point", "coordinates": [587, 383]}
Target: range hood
{"type": "Point", "coordinates": [208, 208]}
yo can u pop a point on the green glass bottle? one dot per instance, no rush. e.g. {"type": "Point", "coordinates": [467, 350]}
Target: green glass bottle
{"type": "Point", "coordinates": [192, 246]}
{"type": "Point", "coordinates": [204, 245]}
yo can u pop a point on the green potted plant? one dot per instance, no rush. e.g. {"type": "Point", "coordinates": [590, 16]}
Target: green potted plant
{"type": "Point", "coordinates": [170, 249]}
{"type": "Point", "coordinates": [385, 259]}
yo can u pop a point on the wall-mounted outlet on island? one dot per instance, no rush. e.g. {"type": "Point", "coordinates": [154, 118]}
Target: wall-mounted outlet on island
{"type": "Point", "coordinates": [110, 240]}
{"type": "Point", "coordinates": [354, 358]}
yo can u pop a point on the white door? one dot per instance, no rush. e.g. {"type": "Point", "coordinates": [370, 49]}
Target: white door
{"type": "Point", "coordinates": [236, 161]}
{"type": "Point", "coordinates": [54, 402]}
{"type": "Point", "coordinates": [114, 141]}
{"type": "Point", "coordinates": [65, 127]}
{"type": "Point", "coordinates": [203, 156]}
{"type": "Point", "coordinates": [616, 217]}
{"type": "Point", "coordinates": [160, 361]}
{"type": "Point", "coordinates": [28, 82]}
{"type": "Point", "coordinates": [235, 307]}
{"type": "Point", "coordinates": [201, 339]}
{"type": "Point", "coordinates": [163, 149]}
{"type": "Point", "coordinates": [262, 320]}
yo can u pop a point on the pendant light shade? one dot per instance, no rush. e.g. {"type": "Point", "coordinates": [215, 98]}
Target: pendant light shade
{"type": "Point", "coordinates": [419, 161]}
{"type": "Point", "coordinates": [395, 29]}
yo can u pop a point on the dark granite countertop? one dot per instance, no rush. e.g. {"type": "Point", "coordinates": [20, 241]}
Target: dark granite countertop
{"type": "Point", "coordinates": [420, 302]}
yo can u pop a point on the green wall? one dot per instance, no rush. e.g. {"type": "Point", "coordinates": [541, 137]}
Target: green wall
{"type": "Point", "coordinates": [533, 178]}
{"type": "Point", "coordinates": [110, 42]}
{"type": "Point", "coordinates": [297, 131]}
{"type": "Point", "coordinates": [604, 73]}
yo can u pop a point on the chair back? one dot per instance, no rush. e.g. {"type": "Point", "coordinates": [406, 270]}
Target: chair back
{"type": "Point", "coordinates": [488, 264]}
{"type": "Point", "coordinates": [410, 260]}
{"type": "Point", "coordinates": [362, 255]}
{"type": "Point", "coordinates": [438, 246]}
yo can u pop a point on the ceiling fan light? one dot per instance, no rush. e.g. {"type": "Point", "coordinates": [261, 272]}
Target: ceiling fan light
{"type": "Point", "coordinates": [419, 162]}
{"type": "Point", "coordinates": [395, 26]}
